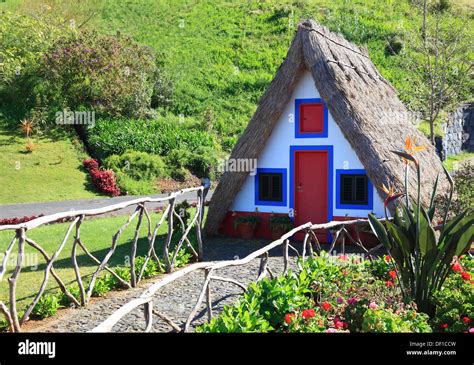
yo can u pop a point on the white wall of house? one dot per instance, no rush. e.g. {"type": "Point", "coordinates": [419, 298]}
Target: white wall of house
{"type": "Point", "coordinates": [276, 154]}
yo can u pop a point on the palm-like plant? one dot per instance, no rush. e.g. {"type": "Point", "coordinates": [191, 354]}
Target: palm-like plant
{"type": "Point", "coordinates": [422, 256]}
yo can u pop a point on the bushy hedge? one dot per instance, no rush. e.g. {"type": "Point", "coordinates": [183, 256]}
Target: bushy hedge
{"type": "Point", "coordinates": [136, 171]}
{"type": "Point", "coordinates": [182, 146]}
{"type": "Point", "coordinates": [114, 137]}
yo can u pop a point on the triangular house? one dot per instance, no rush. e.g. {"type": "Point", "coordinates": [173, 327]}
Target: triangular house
{"type": "Point", "coordinates": [321, 136]}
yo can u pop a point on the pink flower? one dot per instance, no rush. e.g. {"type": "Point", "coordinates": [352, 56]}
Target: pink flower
{"type": "Point", "coordinates": [356, 261]}
{"type": "Point", "coordinates": [373, 305]}
{"type": "Point", "coordinates": [471, 330]}
{"type": "Point", "coordinates": [343, 257]}
{"type": "Point", "coordinates": [340, 300]}
{"type": "Point", "coordinates": [331, 330]}
{"type": "Point", "coordinates": [389, 283]}
{"type": "Point", "coordinates": [326, 306]}
{"type": "Point", "coordinates": [352, 301]}
{"type": "Point", "coordinates": [308, 313]}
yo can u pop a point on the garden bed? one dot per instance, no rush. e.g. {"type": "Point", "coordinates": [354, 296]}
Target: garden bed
{"type": "Point", "coordinates": [347, 294]}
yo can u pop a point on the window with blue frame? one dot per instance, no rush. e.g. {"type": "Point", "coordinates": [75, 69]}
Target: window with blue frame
{"type": "Point", "coordinates": [353, 190]}
{"type": "Point", "coordinates": [270, 187]}
{"type": "Point", "coordinates": [311, 116]}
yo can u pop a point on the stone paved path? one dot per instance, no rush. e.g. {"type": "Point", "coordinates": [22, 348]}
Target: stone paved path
{"type": "Point", "coordinates": [176, 300]}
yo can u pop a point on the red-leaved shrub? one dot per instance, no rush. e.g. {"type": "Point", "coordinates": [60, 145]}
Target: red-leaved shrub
{"type": "Point", "coordinates": [104, 180]}
{"type": "Point", "coordinates": [8, 221]}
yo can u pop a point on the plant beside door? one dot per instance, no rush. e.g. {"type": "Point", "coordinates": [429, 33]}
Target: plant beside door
{"type": "Point", "coordinates": [279, 225]}
{"type": "Point", "coordinates": [245, 225]}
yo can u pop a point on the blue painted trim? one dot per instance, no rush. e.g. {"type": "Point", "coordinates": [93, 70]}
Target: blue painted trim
{"type": "Point", "coordinates": [322, 134]}
{"type": "Point", "coordinates": [284, 188]}
{"type": "Point", "coordinates": [329, 149]}
{"type": "Point", "coordinates": [370, 192]}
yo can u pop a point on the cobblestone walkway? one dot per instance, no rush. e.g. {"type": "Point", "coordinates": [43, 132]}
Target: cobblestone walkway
{"type": "Point", "coordinates": [176, 299]}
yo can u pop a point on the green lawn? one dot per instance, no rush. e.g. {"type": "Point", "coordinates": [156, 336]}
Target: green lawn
{"type": "Point", "coordinates": [51, 172]}
{"type": "Point", "coordinates": [97, 236]}
{"type": "Point", "coordinates": [454, 162]}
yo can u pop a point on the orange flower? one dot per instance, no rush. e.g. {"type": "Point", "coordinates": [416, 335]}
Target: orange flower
{"type": "Point", "coordinates": [391, 195]}
{"type": "Point", "coordinates": [411, 148]}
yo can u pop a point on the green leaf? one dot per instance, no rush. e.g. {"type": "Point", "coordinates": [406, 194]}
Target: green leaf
{"type": "Point", "coordinates": [427, 237]}
{"type": "Point", "coordinates": [401, 237]}
{"type": "Point", "coordinates": [379, 230]}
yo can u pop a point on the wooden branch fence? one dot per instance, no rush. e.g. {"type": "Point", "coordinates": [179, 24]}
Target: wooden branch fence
{"type": "Point", "coordinates": [310, 246]}
{"type": "Point", "coordinates": [170, 254]}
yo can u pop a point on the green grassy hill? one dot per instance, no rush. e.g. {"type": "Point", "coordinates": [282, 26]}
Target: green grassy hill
{"type": "Point", "coordinates": [222, 55]}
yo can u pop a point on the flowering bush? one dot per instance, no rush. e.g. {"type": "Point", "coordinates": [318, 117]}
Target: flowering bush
{"type": "Point", "coordinates": [111, 74]}
{"type": "Point", "coordinates": [103, 180]}
{"type": "Point", "coordinates": [328, 294]}
{"type": "Point", "coordinates": [455, 300]}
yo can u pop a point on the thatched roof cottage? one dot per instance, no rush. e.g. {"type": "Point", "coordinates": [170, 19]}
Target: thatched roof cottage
{"type": "Point", "coordinates": [321, 138]}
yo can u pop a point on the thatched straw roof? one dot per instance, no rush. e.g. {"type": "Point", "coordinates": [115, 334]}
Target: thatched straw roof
{"type": "Point", "coordinates": [361, 101]}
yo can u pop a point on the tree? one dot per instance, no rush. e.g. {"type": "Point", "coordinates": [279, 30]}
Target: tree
{"type": "Point", "coordinates": [439, 59]}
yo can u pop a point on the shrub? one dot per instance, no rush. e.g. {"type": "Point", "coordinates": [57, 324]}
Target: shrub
{"type": "Point", "coordinates": [124, 273]}
{"type": "Point", "coordinates": [102, 285]}
{"type": "Point", "coordinates": [24, 39]}
{"type": "Point", "coordinates": [136, 171]}
{"type": "Point", "coordinates": [455, 300]}
{"type": "Point", "coordinates": [63, 298]}
{"type": "Point", "coordinates": [151, 268]}
{"type": "Point", "coordinates": [137, 165]}
{"type": "Point", "coordinates": [158, 137]}
{"type": "Point", "coordinates": [103, 180]}
{"type": "Point", "coordinates": [47, 306]}
{"type": "Point", "coordinates": [385, 320]}
{"type": "Point", "coordinates": [251, 220]}
{"type": "Point", "coordinates": [281, 222]}
{"type": "Point", "coordinates": [113, 75]}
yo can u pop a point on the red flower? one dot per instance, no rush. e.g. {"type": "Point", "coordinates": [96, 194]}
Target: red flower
{"type": "Point", "coordinates": [308, 313]}
{"type": "Point", "coordinates": [326, 306]}
{"type": "Point", "coordinates": [456, 267]}
{"type": "Point", "coordinates": [466, 320]}
{"type": "Point", "coordinates": [387, 258]}
{"type": "Point", "coordinates": [388, 283]}
{"type": "Point", "coordinates": [444, 326]}
{"type": "Point", "coordinates": [466, 276]}
{"type": "Point", "coordinates": [289, 317]}
{"type": "Point", "coordinates": [392, 274]}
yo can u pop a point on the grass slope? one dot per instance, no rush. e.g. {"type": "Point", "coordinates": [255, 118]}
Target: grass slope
{"type": "Point", "coordinates": [51, 172]}
{"type": "Point", "coordinates": [221, 55]}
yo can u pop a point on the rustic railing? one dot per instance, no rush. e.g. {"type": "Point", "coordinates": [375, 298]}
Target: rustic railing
{"type": "Point", "coordinates": [311, 244]}
{"type": "Point", "coordinates": [170, 253]}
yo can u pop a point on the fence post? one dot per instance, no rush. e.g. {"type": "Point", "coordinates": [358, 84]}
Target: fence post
{"type": "Point", "coordinates": [206, 183]}
{"type": "Point", "coordinates": [168, 237]}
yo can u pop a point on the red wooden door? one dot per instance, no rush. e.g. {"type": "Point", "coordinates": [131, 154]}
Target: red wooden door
{"type": "Point", "coordinates": [311, 188]}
